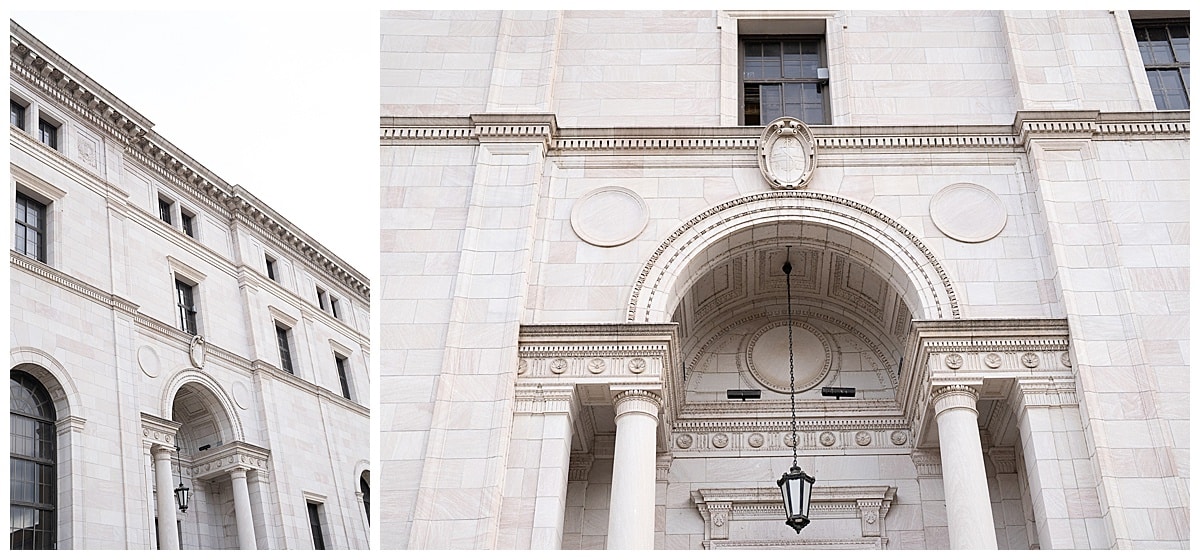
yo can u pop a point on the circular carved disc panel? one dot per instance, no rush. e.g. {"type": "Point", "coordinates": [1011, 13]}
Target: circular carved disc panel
{"type": "Point", "coordinates": [967, 212]}
{"type": "Point", "coordinates": [609, 216]}
{"type": "Point", "coordinates": [768, 356]}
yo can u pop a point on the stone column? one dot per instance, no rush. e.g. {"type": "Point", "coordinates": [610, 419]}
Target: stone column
{"type": "Point", "coordinates": [968, 505]}
{"type": "Point", "coordinates": [168, 537]}
{"type": "Point", "coordinates": [241, 509]}
{"type": "Point", "coordinates": [631, 504]}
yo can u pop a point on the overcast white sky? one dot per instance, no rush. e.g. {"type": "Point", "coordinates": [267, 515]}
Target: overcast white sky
{"type": "Point", "coordinates": [283, 102]}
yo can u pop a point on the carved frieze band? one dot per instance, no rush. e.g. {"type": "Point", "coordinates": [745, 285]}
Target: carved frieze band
{"type": "Point", "coordinates": [159, 431]}
{"type": "Point", "coordinates": [774, 437]}
{"type": "Point", "coordinates": [999, 356]}
{"type": "Point", "coordinates": [1086, 124]}
{"type": "Point", "coordinates": [597, 363]}
{"type": "Point", "coordinates": [235, 455]}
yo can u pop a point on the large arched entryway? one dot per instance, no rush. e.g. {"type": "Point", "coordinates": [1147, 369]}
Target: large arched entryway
{"type": "Point", "coordinates": [201, 447]}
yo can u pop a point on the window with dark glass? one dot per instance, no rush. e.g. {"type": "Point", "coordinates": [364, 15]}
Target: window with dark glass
{"type": "Point", "coordinates": [364, 486]}
{"type": "Point", "coordinates": [185, 303]}
{"type": "Point", "coordinates": [314, 523]}
{"type": "Point", "coordinates": [343, 376]}
{"type": "Point", "coordinates": [32, 461]}
{"type": "Point", "coordinates": [186, 220]}
{"type": "Point", "coordinates": [285, 348]}
{"type": "Point", "coordinates": [333, 307]}
{"type": "Point", "coordinates": [321, 300]}
{"type": "Point", "coordinates": [30, 236]}
{"type": "Point", "coordinates": [16, 114]}
{"type": "Point", "coordinates": [271, 269]}
{"type": "Point", "coordinates": [784, 76]}
{"type": "Point", "coordinates": [1165, 48]}
{"type": "Point", "coordinates": [164, 211]}
{"type": "Point", "coordinates": [48, 133]}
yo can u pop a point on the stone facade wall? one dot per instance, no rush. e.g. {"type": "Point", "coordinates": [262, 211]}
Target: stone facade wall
{"type": "Point", "coordinates": [1006, 167]}
{"type": "Point", "coordinates": [97, 324]}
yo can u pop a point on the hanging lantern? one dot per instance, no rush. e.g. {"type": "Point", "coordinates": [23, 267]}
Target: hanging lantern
{"type": "Point", "coordinates": [795, 484]}
{"type": "Point", "coordinates": [182, 495]}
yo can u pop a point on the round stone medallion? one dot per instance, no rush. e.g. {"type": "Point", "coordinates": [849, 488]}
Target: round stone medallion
{"type": "Point", "coordinates": [768, 356]}
{"type": "Point", "coordinates": [609, 216]}
{"type": "Point", "coordinates": [148, 361]}
{"type": "Point", "coordinates": [968, 212]}
{"type": "Point", "coordinates": [241, 395]}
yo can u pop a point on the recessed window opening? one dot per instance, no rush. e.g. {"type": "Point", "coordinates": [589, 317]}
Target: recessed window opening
{"type": "Point", "coordinates": [282, 336]}
{"type": "Point", "coordinates": [30, 236]}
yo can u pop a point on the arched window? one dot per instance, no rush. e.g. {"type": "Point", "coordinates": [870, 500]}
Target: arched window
{"type": "Point", "coordinates": [32, 476]}
{"type": "Point", "coordinates": [365, 486]}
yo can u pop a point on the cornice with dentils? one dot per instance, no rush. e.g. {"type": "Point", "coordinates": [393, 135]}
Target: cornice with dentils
{"type": "Point", "coordinates": [33, 62]}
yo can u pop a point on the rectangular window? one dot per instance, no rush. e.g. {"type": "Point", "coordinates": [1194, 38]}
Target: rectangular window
{"type": "Point", "coordinates": [271, 269]}
{"type": "Point", "coordinates": [164, 211]}
{"type": "Point", "coordinates": [314, 523]}
{"type": "Point", "coordinates": [333, 307]}
{"type": "Point", "coordinates": [31, 228]}
{"type": "Point", "coordinates": [784, 76]}
{"type": "Point", "coordinates": [16, 114]}
{"type": "Point", "coordinates": [343, 375]}
{"type": "Point", "coordinates": [285, 348]}
{"type": "Point", "coordinates": [321, 299]}
{"type": "Point", "coordinates": [1166, 53]}
{"type": "Point", "coordinates": [187, 220]}
{"type": "Point", "coordinates": [185, 302]}
{"type": "Point", "coordinates": [48, 133]}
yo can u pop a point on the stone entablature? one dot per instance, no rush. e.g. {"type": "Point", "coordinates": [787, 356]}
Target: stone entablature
{"type": "Point", "coordinates": [159, 431]}
{"type": "Point", "coordinates": [996, 358]}
{"type": "Point", "coordinates": [233, 455]}
{"type": "Point", "coordinates": [744, 140]}
{"type": "Point", "coordinates": [720, 507]}
{"type": "Point", "coordinates": [601, 354]}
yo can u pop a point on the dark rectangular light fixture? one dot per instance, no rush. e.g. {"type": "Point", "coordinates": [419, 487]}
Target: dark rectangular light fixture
{"type": "Point", "coordinates": [742, 394]}
{"type": "Point", "coordinates": [838, 392]}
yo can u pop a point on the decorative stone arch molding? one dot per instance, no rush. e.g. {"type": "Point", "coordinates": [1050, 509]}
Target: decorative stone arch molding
{"type": "Point", "coordinates": [652, 292]}
{"type": "Point", "coordinates": [52, 375]}
{"type": "Point", "coordinates": [231, 425]}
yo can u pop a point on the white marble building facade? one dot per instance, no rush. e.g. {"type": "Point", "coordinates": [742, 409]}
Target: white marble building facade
{"type": "Point", "coordinates": [583, 226]}
{"type": "Point", "coordinates": [170, 328]}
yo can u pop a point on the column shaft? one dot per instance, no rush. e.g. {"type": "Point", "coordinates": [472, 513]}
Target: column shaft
{"type": "Point", "coordinates": [168, 537]}
{"type": "Point", "coordinates": [241, 510]}
{"type": "Point", "coordinates": [968, 505]}
{"type": "Point", "coordinates": [631, 504]}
